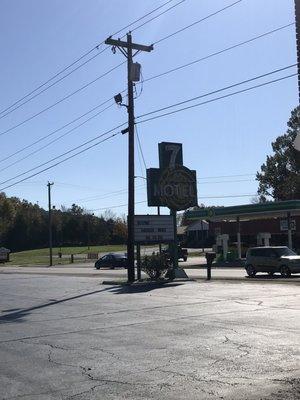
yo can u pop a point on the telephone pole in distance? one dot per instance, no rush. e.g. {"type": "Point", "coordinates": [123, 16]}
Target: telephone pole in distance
{"type": "Point", "coordinates": [127, 49]}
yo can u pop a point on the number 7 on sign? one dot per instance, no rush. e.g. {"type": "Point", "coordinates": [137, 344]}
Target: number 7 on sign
{"type": "Point", "coordinates": [174, 148]}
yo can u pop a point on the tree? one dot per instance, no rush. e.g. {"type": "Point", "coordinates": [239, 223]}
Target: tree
{"type": "Point", "coordinates": [279, 177]}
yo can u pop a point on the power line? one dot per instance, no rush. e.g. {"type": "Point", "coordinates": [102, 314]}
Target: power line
{"type": "Point", "coordinates": [65, 153]}
{"type": "Point", "coordinates": [218, 90]}
{"type": "Point", "coordinates": [140, 146]}
{"type": "Point", "coordinates": [60, 162]}
{"type": "Point", "coordinates": [197, 22]}
{"type": "Point", "coordinates": [107, 195]}
{"type": "Point", "coordinates": [204, 197]}
{"type": "Point", "coordinates": [55, 131]}
{"type": "Point", "coordinates": [225, 176]}
{"type": "Point", "coordinates": [159, 15]}
{"type": "Point", "coordinates": [229, 196]}
{"type": "Point", "coordinates": [157, 76]}
{"type": "Point", "coordinates": [213, 100]}
{"type": "Point", "coordinates": [219, 52]}
{"type": "Point", "coordinates": [233, 181]}
{"type": "Point", "coordinates": [143, 121]}
{"type": "Point", "coordinates": [82, 57]}
{"type": "Point", "coordinates": [61, 100]}
{"type": "Point", "coordinates": [48, 87]}
{"type": "Point", "coordinates": [112, 69]}
{"type": "Point", "coordinates": [165, 73]}
{"type": "Point", "coordinates": [124, 191]}
{"type": "Point", "coordinates": [56, 139]}
{"type": "Point", "coordinates": [120, 205]}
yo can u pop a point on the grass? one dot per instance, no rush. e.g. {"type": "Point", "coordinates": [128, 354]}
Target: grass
{"type": "Point", "coordinates": [41, 256]}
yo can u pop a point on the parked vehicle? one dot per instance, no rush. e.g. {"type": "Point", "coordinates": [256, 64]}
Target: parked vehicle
{"type": "Point", "coordinates": [112, 261]}
{"type": "Point", "coordinates": [182, 253]}
{"type": "Point", "coordinates": [271, 260]}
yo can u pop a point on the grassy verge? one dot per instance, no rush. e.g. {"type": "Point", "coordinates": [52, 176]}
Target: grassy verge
{"type": "Point", "coordinates": [41, 256]}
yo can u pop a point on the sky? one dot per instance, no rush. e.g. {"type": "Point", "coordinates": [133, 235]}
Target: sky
{"type": "Point", "coordinates": [225, 141]}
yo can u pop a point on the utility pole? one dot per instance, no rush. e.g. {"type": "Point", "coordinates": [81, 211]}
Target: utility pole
{"type": "Point", "coordinates": [50, 223]}
{"type": "Point", "coordinates": [126, 48]}
{"type": "Point", "coordinates": [297, 17]}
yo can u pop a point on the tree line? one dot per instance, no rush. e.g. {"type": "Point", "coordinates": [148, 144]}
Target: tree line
{"type": "Point", "coordinates": [25, 226]}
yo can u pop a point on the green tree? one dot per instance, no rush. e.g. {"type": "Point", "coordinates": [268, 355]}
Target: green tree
{"type": "Point", "coordinates": [279, 178]}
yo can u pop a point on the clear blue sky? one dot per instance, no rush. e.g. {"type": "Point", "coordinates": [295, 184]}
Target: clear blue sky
{"type": "Point", "coordinates": [224, 138]}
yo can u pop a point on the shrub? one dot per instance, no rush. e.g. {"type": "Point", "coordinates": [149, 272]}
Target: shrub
{"type": "Point", "coordinates": [155, 266]}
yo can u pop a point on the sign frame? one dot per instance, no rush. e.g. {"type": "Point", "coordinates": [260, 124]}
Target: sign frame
{"type": "Point", "coordinates": [153, 229]}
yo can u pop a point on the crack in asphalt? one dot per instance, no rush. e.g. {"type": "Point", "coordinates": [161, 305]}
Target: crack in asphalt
{"type": "Point", "coordinates": [203, 315]}
{"type": "Point", "coordinates": [193, 378]}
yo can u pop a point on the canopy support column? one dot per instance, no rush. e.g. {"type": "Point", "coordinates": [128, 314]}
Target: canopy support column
{"type": "Point", "coordinates": [239, 246]}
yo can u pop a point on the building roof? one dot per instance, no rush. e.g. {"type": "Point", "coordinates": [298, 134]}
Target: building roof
{"type": "Point", "coordinates": [247, 211]}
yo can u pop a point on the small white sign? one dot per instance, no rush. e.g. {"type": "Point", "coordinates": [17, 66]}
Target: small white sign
{"type": "Point", "coordinates": [284, 225]}
{"type": "Point", "coordinates": [153, 229]}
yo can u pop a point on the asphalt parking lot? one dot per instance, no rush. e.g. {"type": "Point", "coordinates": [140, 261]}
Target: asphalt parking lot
{"type": "Point", "coordinates": [64, 337]}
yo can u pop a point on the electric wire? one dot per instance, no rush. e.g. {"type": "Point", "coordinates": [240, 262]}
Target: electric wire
{"type": "Point", "coordinates": [62, 161]}
{"type": "Point", "coordinates": [83, 56]}
{"type": "Point", "coordinates": [140, 146]}
{"type": "Point", "coordinates": [202, 197]}
{"type": "Point", "coordinates": [55, 131]}
{"type": "Point", "coordinates": [118, 206]}
{"type": "Point", "coordinates": [108, 195]}
{"type": "Point", "coordinates": [65, 153]}
{"type": "Point", "coordinates": [197, 22]}
{"type": "Point", "coordinates": [143, 121]}
{"type": "Point", "coordinates": [108, 72]}
{"type": "Point", "coordinates": [153, 18]}
{"type": "Point", "coordinates": [227, 196]}
{"type": "Point", "coordinates": [218, 90]}
{"type": "Point", "coordinates": [56, 139]}
{"type": "Point", "coordinates": [125, 191]}
{"type": "Point", "coordinates": [61, 100]}
{"type": "Point", "coordinates": [219, 52]}
{"type": "Point", "coordinates": [215, 99]}
{"type": "Point", "coordinates": [154, 77]}
{"type": "Point", "coordinates": [48, 87]}
{"type": "Point", "coordinates": [233, 181]}
{"type": "Point", "coordinates": [225, 176]}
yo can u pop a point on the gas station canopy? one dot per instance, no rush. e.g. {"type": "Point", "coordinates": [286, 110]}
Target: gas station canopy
{"type": "Point", "coordinates": [247, 211]}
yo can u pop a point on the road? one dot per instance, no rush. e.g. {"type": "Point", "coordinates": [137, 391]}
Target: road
{"type": "Point", "coordinates": [195, 268]}
{"type": "Point", "coordinates": [71, 337]}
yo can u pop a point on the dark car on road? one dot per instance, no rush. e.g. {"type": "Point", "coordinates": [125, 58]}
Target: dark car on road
{"type": "Point", "coordinates": [272, 259]}
{"type": "Point", "coordinates": [112, 261]}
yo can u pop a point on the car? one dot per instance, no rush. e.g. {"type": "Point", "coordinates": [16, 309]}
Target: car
{"type": "Point", "coordinates": [182, 253]}
{"type": "Point", "coordinates": [272, 259]}
{"type": "Point", "coordinates": [112, 261]}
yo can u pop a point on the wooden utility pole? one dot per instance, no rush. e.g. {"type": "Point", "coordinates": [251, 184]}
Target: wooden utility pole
{"type": "Point", "coordinates": [297, 17]}
{"type": "Point", "coordinates": [126, 48]}
{"type": "Point", "coordinates": [50, 223]}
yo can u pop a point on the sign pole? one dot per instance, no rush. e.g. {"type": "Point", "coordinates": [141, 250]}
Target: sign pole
{"type": "Point", "coordinates": [175, 244]}
{"type": "Point", "coordinates": [138, 262]}
{"type": "Point", "coordinates": [158, 213]}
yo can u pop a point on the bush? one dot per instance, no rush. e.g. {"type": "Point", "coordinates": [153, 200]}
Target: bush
{"type": "Point", "coordinates": [155, 266]}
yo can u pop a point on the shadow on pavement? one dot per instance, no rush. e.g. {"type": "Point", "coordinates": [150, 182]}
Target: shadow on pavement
{"type": "Point", "coordinates": [17, 316]}
{"type": "Point", "coordinates": [141, 287]}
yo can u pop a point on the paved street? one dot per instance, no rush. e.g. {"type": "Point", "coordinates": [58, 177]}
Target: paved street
{"type": "Point", "coordinates": [64, 337]}
{"type": "Point", "coordinates": [194, 267]}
